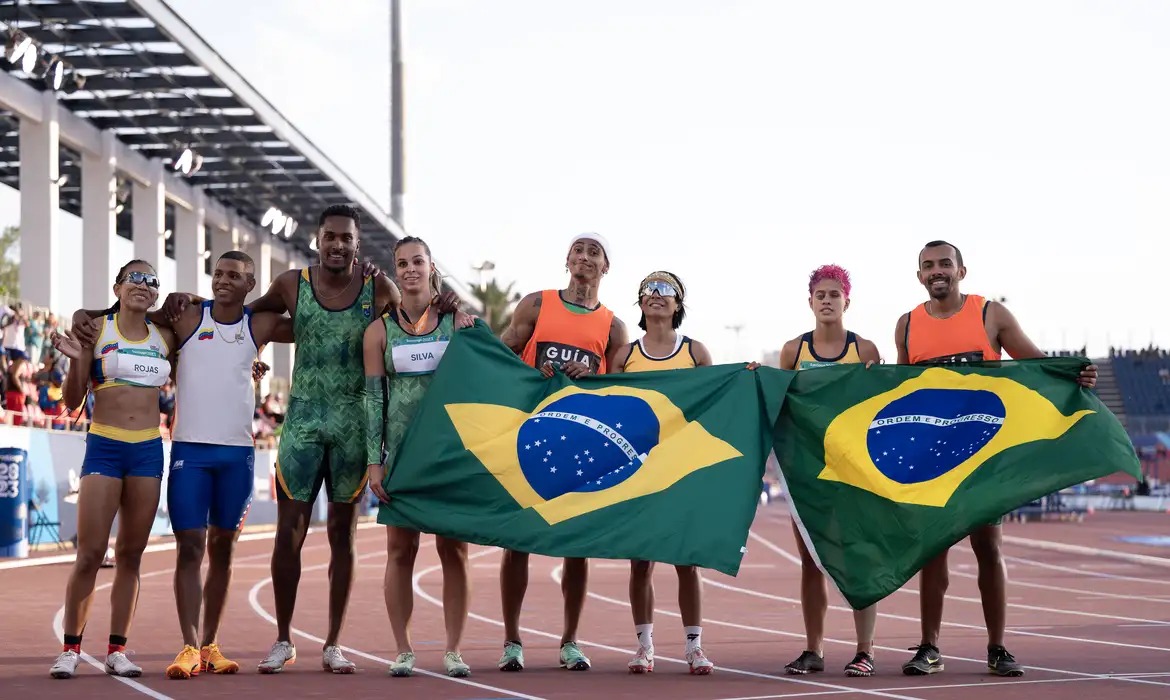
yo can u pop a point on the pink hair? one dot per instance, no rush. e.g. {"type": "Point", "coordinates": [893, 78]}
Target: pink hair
{"type": "Point", "coordinates": [830, 272]}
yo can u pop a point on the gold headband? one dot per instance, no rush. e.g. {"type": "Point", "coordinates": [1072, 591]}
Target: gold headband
{"type": "Point", "coordinates": [663, 277]}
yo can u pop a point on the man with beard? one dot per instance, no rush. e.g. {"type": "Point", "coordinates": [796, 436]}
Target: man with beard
{"type": "Point", "coordinates": [321, 443]}
{"type": "Point", "coordinates": [569, 330]}
{"type": "Point", "coordinates": [954, 328]}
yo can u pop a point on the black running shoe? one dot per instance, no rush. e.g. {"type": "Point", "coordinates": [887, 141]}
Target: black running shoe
{"type": "Point", "coordinates": [861, 665]}
{"type": "Point", "coordinates": [807, 662]}
{"type": "Point", "coordinates": [926, 661]}
{"type": "Point", "coordinates": [1003, 663]}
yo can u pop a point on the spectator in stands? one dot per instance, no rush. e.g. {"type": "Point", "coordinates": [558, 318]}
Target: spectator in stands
{"type": "Point", "coordinates": [166, 405]}
{"type": "Point", "coordinates": [34, 337]}
{"type": "Point", "coordinates": [273, 408]}
{"type": "Point", "coordinates": [20, 397]}
{"type": "Point", "coordinates": [14, 322]}
{"type": "Point", "coordinates": [263, 429]}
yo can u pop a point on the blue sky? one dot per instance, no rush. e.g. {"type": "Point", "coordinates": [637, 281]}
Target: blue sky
{"type": "Point", "coordinates": [742, 143]}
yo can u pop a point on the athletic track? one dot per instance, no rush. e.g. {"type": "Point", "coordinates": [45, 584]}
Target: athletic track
{"type": "Point", "coordinates": [1089, 616]}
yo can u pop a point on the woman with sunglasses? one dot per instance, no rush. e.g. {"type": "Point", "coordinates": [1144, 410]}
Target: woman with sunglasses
{"type": "Point", "coordinates": [660, 297]}
{"type": "Point", "coordinates": [121, 474]}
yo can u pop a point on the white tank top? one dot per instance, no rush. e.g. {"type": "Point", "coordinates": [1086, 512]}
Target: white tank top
{"type": "Point", "coordinates": [118, 361]}
{"type": "Point", "coordinates": [214, 394]}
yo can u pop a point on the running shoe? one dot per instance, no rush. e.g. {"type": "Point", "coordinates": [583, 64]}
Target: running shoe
{"type": "Point", "coordinates": [403, 665]}
{"type": "Point", "coordinates": [212, 660]}
{"type": "Point", "coordinates": [643, 661]}
{"type": "Point", "coordinates": [699, 663]}
{"type": "Point", "coordinates": [807, 662]}
{"type": "Point", "coordinates": [513, 658]}
{"type": "Point", "coordinates": [453, 662]}
{"type": "Point", "coordinates": [1003, 663]}
{"type": "Point", "coordinates": [186, 664]}
{"type": "Point", "coordinates": [118, 664]}
{"type": "Point", "coordinates": [861, 665]}
{"type": "Point", "coordinates": [333, 660]}
{"type": "Point", "coordinates": [927, 660]}
{"type": "Point", "coordinates": [66, 665]}
{"type": "Point", "coordinates": [281, 654]}
{"type": "Point", "coordinates": [572, 658]}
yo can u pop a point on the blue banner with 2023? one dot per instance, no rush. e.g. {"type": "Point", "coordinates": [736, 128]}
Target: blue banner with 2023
{"type": "Point", "coordinates": [13, 502]}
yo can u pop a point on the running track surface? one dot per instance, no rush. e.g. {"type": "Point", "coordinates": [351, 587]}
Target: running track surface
{"type": "Point", "coordinates": [1083, 622]}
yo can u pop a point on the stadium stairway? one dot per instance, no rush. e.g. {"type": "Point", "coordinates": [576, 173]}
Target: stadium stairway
{"type": "Point", "coordinates": [1107, 389]}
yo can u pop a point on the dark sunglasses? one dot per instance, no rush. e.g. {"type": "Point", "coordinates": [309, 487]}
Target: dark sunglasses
{"type": "Point", "coordinates": [662, 288]}
{"type": "Point", "coordinates": [144, 278]}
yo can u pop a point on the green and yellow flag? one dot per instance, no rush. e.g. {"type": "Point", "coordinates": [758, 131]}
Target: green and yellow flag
{"type": "Point", "coordinates": [662, 466]}
{"type": "Point", "coordinates": [887, 467]}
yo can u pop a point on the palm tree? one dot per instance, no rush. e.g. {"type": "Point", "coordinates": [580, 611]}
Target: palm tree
{"type": "Point", "coordinates": [498, 304]}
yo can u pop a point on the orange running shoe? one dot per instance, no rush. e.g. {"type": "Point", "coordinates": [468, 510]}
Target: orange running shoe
{"type": "Point", "coordinates": [186, 665]}
{"type": "Point", "coordinates": [215, 662]}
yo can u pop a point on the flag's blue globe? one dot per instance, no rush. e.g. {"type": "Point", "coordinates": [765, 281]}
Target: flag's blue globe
{"type": "Point", "coordinates": [928, 433]}
{"type": "Point", "coordinates": [585, 442]}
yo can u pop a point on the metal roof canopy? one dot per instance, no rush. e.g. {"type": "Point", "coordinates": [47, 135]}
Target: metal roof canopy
{"type": "Point", "coordinates": [154, 82]}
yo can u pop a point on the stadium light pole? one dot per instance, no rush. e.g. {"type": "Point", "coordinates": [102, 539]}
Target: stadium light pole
{"type": "Point", "coordinates": [736, 328]}
{"type": "Point", "coordinates": [397, 157]}
{"type": "Point", "coordinates": [485, 266]}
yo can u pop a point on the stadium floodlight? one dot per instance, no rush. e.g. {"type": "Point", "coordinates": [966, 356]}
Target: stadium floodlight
{"type": "Point", "coordinates": [56, 73]}
{"type": "Point", "coordinates": [29, 63]}
{"type": "Point", "coordinates": [276, 220]}
{"type": "Point", "coordinates": [19, 48]}
{"type": "Point", "coordinates": [184, 161]}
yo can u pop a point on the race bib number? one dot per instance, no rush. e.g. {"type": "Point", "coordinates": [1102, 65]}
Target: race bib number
{"type": "Point", "coordinates": [559, 354]}
{"type": "Point", "coordinates": [415, 356]}
{"type": "Point", "coordinates": [959, 359]}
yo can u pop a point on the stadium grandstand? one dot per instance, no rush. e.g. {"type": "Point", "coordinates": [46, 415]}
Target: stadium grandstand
{"type": "Point", "coordinates": [1135, 386]}
{"type": "Point", "coordinates": [126, 136]}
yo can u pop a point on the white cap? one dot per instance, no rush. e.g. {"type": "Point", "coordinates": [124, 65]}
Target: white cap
{"type": "Point", "coordinates": [595, 237]}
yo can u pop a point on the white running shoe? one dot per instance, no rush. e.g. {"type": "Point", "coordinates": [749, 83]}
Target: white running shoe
{"type": "Point", "coordinates": [699, 663]}
{"type": "Point", "coordinates": [117, 664]}
{"type": "Point", "coordinates": [66, 666]}
{"type": "Point", "coordinates": [643, 661]}
{"type": "Point", "coordinates": [403, 665]}
{"type": "Point", "coordinates": [282, 653]}
{"type": "Point", "coordinates": [453, 662]}
{"type": "Point", "coordinates": [332, 660]}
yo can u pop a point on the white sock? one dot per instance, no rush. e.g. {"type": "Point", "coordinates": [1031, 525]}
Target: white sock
{"type": "Point", "coordinates": [694, 637]}
{"type": "Point", "coordinates": [645, 635]}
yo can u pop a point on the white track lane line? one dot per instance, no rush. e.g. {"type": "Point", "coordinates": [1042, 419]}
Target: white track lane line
{"type": "Point", "coordinates": [1012, 682]}
{"type": "Point", "coordinates": [555, 575]}
{"type": "Point", "coordinates": [770, 545]}
{"type": "Point", "coordinates": [1079, 591]}
{"type": "Point", "coordinates": [1085, 572]}
{"type": "Point", "coordinates": [908, 590]}
{"type": "Point", "coordinates": [59, 632]}
{"type": "Point", "coordinates": [254, 601]}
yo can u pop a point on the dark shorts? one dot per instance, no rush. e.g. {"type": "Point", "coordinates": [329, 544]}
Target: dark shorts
{"type": "Point", "coordinates": [119, 459]}
{"type": "Point", "coordinates": [322, 443]}
{"type": "Point", "coordinates": [209, 485]}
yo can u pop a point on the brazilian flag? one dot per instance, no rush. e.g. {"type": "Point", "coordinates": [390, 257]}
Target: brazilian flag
{"type": "Point", "coordinates": [662, 466]}
{"type": "Point", "coordinates": [888, 467]}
